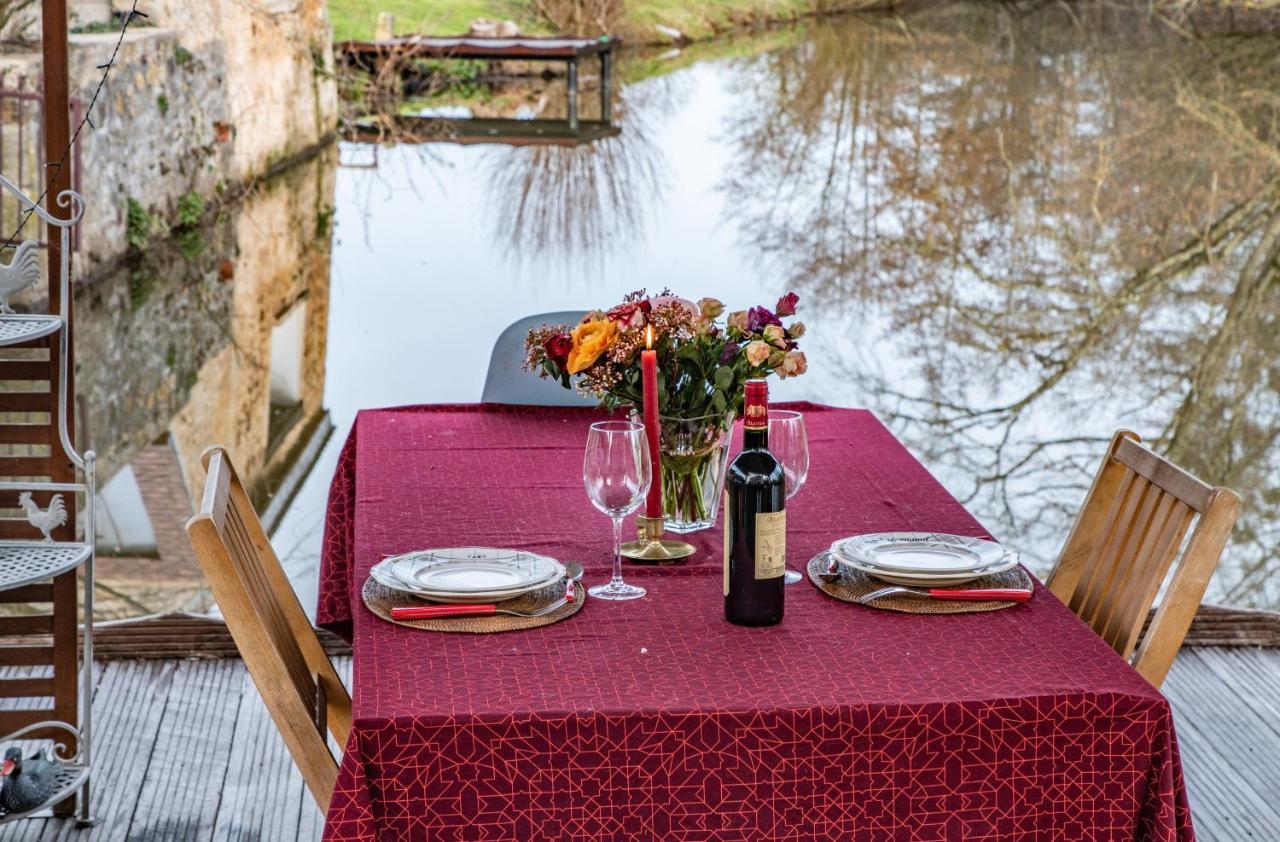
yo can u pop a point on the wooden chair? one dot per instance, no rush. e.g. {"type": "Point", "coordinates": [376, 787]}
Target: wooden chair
{"type": "Point", "coordinates": [1124, 541]}
{"type": "Point", "coordinates": [279, 646]}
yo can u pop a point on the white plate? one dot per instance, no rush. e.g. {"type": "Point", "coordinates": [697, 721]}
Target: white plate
{"type": "Point", "coordinates": [467, 574]}
{"type": "Point", "coordinates": [920, 552]}
{"type": "Point", "coordinates": [936, 580]}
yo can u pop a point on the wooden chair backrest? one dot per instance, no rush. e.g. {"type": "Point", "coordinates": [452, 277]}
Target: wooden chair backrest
{"type": "Point", "coordinates": [278, 643]}
{"type": "Point", "coordinates": [1125, 540]}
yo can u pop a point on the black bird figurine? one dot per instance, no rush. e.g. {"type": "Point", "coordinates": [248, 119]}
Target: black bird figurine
{"type": "Point", "coordinates": [27, 783]}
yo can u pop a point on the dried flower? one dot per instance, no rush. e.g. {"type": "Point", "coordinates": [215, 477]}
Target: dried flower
{"type": "Point", "coordinates": [758, 318]}
{"type": "Point", "coordinates": [796, 330]}
{"type": "Point", "coordinates": [787, 304]}
{"type": "Point", "coordinates": [728, 352]}
{"type": "Point", "coordinates": [793, 364]}
{"type": "Point", "coordinates": [776, 336]}
{"type": "Point", "coordinates": [758, 352]}
{"type": "Point", "coordinates": [738, 320]}
{"type": "Point", "coordinates": [711, 308]}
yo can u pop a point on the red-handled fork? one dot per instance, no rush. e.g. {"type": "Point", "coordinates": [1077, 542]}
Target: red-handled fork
{"type": "Point", "coordinates": [970, 595]}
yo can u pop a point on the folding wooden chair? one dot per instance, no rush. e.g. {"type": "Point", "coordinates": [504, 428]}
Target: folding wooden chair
{"type": "Point", "coordinates": [1124, 542]}
{"type": "Point", "coordinates": [279, 646]}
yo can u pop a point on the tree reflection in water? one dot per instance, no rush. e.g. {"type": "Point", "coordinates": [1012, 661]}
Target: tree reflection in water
{"type": "Point", "coordinates": [573, 203]}
{"type": "Point", "coordinates": [1060, 221]}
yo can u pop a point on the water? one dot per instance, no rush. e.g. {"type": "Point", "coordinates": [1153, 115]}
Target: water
{"type": "Point", "coordinates": [1012, 233]}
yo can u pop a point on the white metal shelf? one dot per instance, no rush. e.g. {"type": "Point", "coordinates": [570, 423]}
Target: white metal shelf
{"type": "Point", "coordinates": [27, 562]}
{"type": "Point", "coordinates": [18, 328]}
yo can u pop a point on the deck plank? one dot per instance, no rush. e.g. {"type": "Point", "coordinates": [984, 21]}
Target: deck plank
{"type": "Point", "coordinates": [1229, 751]}
{"type": "Point", "coordinates": [183, 786]}
{"type": "Point", "coordinates": [262, 796]}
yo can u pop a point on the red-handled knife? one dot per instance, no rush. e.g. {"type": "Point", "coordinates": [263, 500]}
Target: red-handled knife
{"type": "Point", "coordinates": [982, 594]}
{"type": "Point", "coordinates": [431, 612]}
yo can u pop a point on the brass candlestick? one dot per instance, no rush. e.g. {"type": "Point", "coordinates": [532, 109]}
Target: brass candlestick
{"type": "Point", "coordinates": [651, 546]}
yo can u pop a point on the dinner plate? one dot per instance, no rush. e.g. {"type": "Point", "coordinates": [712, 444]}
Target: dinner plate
{"type": "Point", "coordinates": [467, 574]}
{"type": "Point", "coordinates": [937, 580]}
{"type": "Point", "coordinates": [920, 552]}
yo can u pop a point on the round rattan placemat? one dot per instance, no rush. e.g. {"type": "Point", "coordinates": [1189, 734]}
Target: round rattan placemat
{"type": "Point", "coordinates": [380, 600]}
{"type": "Point", "coordinates": [854, 583]}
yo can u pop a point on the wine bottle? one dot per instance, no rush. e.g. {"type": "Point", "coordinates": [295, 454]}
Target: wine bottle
{"type": "Point", "coordinates": [755, 521]}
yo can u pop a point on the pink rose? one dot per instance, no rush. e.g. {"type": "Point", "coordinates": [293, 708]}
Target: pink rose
{"type": "Point", "coordinates": [776, 336]}
{"type": "Point", "coordinates": [757, 352]}
{"type": "Point", "coordinates": [634, 314]}
{"type": "Point", "coordinates": [738, 320]}
{"type": "Point", "coordinates": [793, 364]}
{"type": "Point", "coordinates": [787, 305]}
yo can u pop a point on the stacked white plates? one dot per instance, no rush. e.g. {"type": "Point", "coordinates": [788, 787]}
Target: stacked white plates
{"type": "Point", "coordinates": [923, 559]}
{"type": "Point", "coordinates": [467, 574]}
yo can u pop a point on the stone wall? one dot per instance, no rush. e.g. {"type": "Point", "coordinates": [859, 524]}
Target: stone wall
{"type": "Point", "coordinates": [199, 103]}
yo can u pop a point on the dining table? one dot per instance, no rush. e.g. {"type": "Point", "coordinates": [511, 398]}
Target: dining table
{"type": "Point", "coordinates": [656, 719]}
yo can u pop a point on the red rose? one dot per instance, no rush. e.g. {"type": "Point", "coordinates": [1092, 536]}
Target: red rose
{"type": "Point", "coordinates": [558, 348]}
{"type": "Point", "coordinates": [787, 305]}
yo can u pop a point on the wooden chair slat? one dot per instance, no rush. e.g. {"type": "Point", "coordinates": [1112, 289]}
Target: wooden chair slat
{"type": "Point", "coordinates": [27, 401]}
{"type": "Point", "coordinates": [20, 624]}
{"type": "Point", "coordinates": [25, 434]}
{"type": "Point", "coordinates": [1122, 575]}
{"type": "Point", "coordinates": [1116, 528]}
{"type": "Point", "coordinates": [279, 646]}
{"type": "Point", "coordinates": [23, 688]}
{"type": "Point", "coordinates": [1125, 541]}
{"type": "Point", "coordinates": [1165, 474]}
{"type": "Point", "coordinates": [1151, 563]}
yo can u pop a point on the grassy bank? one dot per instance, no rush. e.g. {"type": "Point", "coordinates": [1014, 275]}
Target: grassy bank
{"type": "Point", "coordinates": [638, 21]}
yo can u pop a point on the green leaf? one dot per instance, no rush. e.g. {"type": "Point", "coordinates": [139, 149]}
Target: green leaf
{"type": "Point", "coordinates": [719, 401]}
{"type": "Point", "coordinates": [724, 378]}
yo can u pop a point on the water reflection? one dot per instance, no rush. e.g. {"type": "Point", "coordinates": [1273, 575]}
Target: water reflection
{"type": "Point", "coordinates": [217, 336]}
{"type": "Point", "coordinates": [1060, 224]}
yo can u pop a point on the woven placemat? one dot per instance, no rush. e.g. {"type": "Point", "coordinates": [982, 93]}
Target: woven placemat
{"type": "Point", "coordinates": [854, 583]}
{"type": "Point", "coordinates": [380, 600]}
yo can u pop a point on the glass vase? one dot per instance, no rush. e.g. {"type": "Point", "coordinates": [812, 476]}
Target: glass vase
{"type": "Point", "coordinates": [695, 453]}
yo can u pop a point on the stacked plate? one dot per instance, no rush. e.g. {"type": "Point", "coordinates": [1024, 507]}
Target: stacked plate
{"type": "Point", "coordinates": [923, 559]}
{"type": "Point", "coordinates": [467, 574]}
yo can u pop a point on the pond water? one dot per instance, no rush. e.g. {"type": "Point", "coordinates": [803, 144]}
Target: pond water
{"type": "Point", "coordinates": [1012, 233]}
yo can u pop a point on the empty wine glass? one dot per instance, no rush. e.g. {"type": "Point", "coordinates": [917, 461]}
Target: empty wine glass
{"type": "Point", "coordinates": [789, 444]}
{"type": "Point", "coordinates": [616, 472]}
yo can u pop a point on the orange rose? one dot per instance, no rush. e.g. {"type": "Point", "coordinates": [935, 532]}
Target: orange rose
{"type": "Point", "coordinates": [591, 339]}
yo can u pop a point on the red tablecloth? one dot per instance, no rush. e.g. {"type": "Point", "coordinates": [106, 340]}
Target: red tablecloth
{"type": "Point", "coordinates": [656, 719]}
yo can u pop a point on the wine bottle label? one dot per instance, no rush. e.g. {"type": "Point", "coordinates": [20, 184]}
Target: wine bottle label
{"type": "Point", "coordinates": [755, 416]}
{"type": "Point", "coordinates": [724, 507]}
{"type": "Point", "coordinates": [771, 544]}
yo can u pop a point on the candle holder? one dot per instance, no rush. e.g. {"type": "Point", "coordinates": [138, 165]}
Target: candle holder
{"type": "Point", "coordinates": [651, 546]}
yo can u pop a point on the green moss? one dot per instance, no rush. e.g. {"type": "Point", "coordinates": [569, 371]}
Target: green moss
{"type": "Point", "coordinates": [190, 243]}
{"type": "Point", "coordinates": [142, 282]}
{"type": "Point", "coordinates": [181, 55]}
{"type": "Point", "coordinates": [162, 102]}
{"type": "Point", "coordinates": [324, 222]}
{"type": "Point", "coordinates": [190, 209]}
{"type": "Point", "coordinates": [138, 224]}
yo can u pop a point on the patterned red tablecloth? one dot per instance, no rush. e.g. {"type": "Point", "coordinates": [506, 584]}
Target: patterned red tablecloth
{"type": "Point", "coordinates": [656, 719]}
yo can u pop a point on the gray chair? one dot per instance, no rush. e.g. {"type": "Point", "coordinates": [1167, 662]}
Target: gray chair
{"type": "Point", "coordinates": [507, 382]}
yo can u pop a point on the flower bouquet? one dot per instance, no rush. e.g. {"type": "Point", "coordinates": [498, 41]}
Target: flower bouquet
{"type": "Point", "coordinates": [703, 365]}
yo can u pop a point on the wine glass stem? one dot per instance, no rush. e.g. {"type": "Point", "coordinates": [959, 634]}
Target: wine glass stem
{"type": "Point", "coordinates": [617, 552]}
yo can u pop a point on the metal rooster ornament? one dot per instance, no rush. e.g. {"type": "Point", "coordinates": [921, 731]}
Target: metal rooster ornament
{"type": "Point", "coordinates": [23, 272]}
{"type": "Point", "coordinates": [46, 520]}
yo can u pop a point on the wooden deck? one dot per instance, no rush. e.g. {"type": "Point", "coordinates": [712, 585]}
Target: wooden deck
{"type": "Point", "coordinates": [186, 751]}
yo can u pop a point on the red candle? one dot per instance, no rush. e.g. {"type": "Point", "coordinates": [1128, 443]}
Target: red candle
{"type": "Point", "coordinates": [649, 381]}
